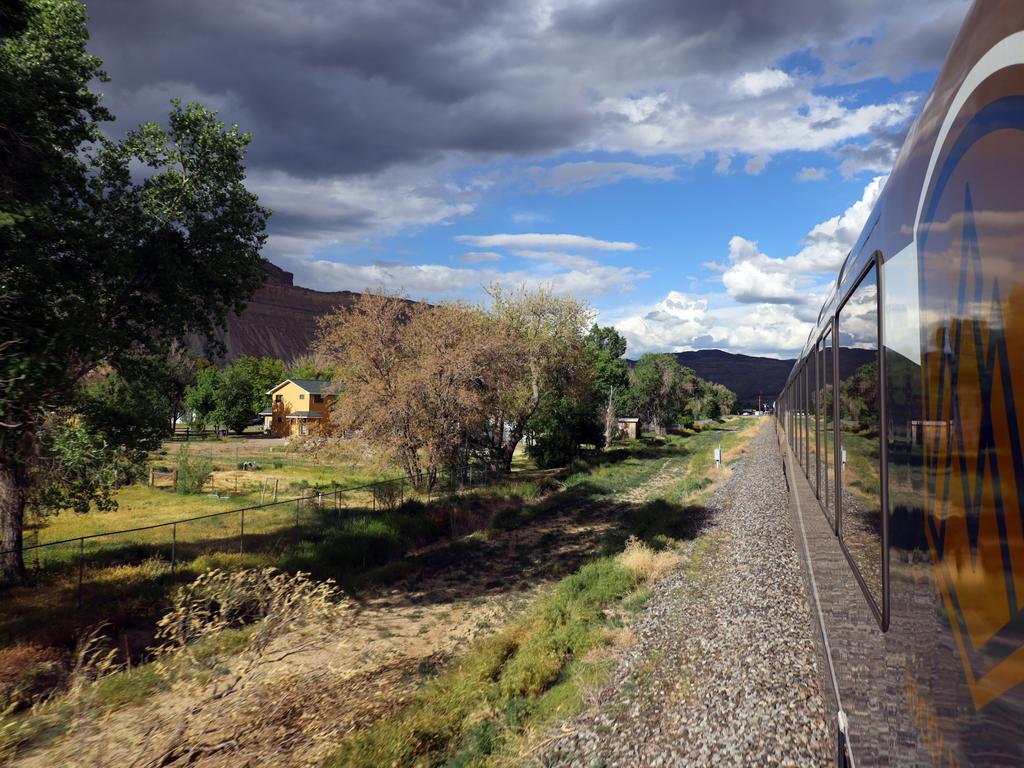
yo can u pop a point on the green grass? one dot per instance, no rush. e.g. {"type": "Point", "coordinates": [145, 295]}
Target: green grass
{"type": "Point", "coordinates": [518, 678]}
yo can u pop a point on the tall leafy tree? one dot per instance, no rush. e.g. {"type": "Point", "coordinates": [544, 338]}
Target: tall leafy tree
{"type": "Point", "coordinates": [604, 348]}
{"type": "Point", "coordinates": [312, 367]}
{"type": "Point", "coordinates": [234, 398]}
{"type": "Point", "coordinates": [111, 248]}
{"type": "Point", "coordinates": [657, 390]}
{"type": "Point", "coordinates": [543, 337]}
{"type": "Point", "coordinates": [201, 397]}
{"type": "Point", "coordinates": [564, 423]}
{"type": "Point", "coordinates": [262, 373]}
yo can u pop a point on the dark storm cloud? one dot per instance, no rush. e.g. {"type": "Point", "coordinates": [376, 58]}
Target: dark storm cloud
{"type": "Point", "coordinates": [336, 88]}
{"type": "Point", "coordinates": [330, 88]}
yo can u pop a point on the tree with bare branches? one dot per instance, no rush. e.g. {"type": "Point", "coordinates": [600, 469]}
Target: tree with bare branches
{"type": "Point", "coordinates": [412, 377]}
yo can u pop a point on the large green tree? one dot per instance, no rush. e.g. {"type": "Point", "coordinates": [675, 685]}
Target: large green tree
{"type": "Point", "coordinates": [111, 249]}
{"type": "Point", "coordinates": [542, 335]}
{"type": "Point", "coordinates": [201, 397]}
{"type": "Point", "coordinates": [261, 373]}
{"type": "Point", "coordinates": [604, 348]}
{"type": "Point", "coordinates": [235, 399]}
{"type": "Point", "coordinates": [658, 391]}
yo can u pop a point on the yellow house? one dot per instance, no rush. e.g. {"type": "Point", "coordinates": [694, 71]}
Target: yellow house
{"type": "Point", "coordinates": [297, 407]}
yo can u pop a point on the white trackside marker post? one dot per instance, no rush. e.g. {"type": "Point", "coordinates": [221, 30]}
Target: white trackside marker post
{"type": "Point", "coordinates": [718, 457]}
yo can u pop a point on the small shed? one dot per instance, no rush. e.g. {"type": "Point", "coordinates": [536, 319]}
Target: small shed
{"type": "Point", "coordinates": [628, 428]}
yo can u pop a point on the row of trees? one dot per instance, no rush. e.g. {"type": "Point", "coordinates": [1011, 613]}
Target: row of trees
{"type": "Point", "coordinates": [443, 384]}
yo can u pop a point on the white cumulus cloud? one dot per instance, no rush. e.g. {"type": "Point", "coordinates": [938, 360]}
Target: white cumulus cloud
{"type": "Point", "coordinates": [753, 277]}
{"type": "Point", "coordinates": [759, 83]}
{"type": "Point", "coordinates": [681, 322]}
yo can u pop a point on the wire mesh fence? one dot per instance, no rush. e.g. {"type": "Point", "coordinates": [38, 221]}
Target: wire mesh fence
{"type": "Point", "coordinates": [80, 567]}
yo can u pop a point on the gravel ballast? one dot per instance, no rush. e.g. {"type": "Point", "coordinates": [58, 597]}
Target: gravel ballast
{"type": "Point", "coordinates": [724, 668]}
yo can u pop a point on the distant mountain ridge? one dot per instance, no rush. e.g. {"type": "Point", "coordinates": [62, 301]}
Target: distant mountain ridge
{"type": "Point", "coordinates": [751, 378]}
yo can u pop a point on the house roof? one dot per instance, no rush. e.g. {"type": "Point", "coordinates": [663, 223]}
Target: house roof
{"type": "Point", "coordinates": [305, 415]}
{"type": "Point", "coordinates": [312, 386]}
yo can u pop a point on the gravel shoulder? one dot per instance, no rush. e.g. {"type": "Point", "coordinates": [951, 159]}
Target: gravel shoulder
{"type": "Point", "coordinates": [724, 667]}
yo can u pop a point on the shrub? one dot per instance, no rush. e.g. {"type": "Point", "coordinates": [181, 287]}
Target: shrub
{"type": "Point", "coordinates": [194, 471]}
{"type": "Point", "coordinates": [647, 565]}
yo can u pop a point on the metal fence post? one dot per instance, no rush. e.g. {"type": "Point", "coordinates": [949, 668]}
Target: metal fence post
{"type": "Point", "coordinates": [81, 568]}
{"type": "Point", "coordinates": [174, 546]}
{"type": "Point", "coordinates": [241, 532]}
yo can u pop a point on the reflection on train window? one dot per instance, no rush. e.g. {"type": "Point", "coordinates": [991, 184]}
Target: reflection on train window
{"type": "Point", "coordinates": [827, 440]}
{"type": "Point", "coordinates": [859, 434]}
{"type": "Point", "coordinates": [807, 418]}
{"type": "Point", "coordinates": [799, 418]}
{"type": "Point", "coordinates": [803, 418]}
{"type": "Point", "coordinates": [812, 416]}
{"type": "Point", "coordinates": [907, 430]}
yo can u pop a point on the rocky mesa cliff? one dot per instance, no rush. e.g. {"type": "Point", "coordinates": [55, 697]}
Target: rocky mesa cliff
{"type": "Point", "coordinates": [280, 320]}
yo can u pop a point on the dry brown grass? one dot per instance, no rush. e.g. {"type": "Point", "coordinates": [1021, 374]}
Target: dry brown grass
{"type": "Point", "coordinates": [646, 564]}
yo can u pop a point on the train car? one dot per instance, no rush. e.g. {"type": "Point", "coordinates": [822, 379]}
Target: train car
{"type": "Point", "coordinates": [902, 435]}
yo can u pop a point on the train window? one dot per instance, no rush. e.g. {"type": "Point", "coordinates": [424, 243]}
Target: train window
{"type": "Point", "coordinates": [803, 417]}
{"type": "Point", "coordinates": [789, 414]}
{"type": "Point", "coordinates": [797, 427]}
{"type": "Point", "coordinates": [805, 388]}
{"type": "Point", "coordinates": [859, 398]}
{"type": "Point", "coordinates": [812, 416]}
{"type": "Point", "coordinates": [800, 416]}
{"type": "Point", "coordinates": [827, 438]}
{"type": "Point", "coordinates": [908, 432]}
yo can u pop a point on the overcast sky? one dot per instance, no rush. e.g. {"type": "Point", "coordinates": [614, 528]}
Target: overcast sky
{"type": "Point", "coordinates": [696, 170]}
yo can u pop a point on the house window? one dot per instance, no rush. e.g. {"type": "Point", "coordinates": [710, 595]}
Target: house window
{"type": "Point", "coordinates": [302, 397]}
{"type": "Point", "coordinates": [318, 398]}
{"type": "Point", "coordinates": [278, 398]}
{"type": "Point", "coordinates": [302, 427]}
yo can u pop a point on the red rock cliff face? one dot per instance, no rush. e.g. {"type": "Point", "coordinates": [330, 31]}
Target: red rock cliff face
{"type": "Point", "coordinates": [280, 320]}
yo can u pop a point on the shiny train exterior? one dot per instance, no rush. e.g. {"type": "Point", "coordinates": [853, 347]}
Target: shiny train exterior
{"type": "Point", "coordinates": [902, 425]}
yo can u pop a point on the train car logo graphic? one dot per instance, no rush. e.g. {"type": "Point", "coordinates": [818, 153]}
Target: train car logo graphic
{"type": "Point", "coordinates": [968, 236]}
